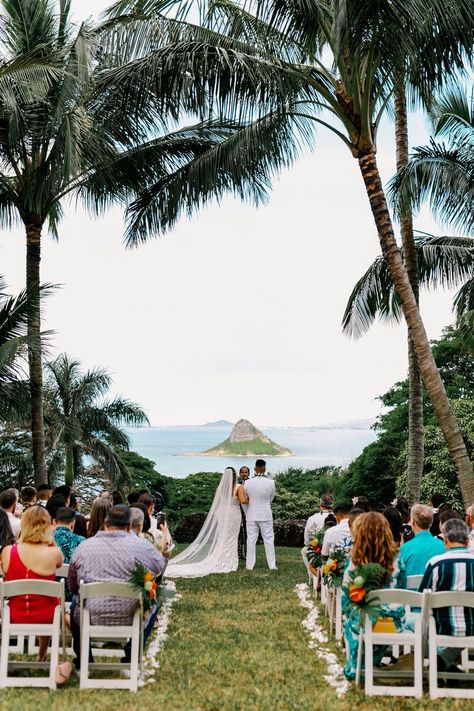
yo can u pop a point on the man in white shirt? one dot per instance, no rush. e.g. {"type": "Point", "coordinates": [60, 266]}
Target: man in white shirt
{"type": "Point", "coordinates": [8, 502]}
{"type": "Point", "coordinates": [316, 522]}
{"type": "Point", "coordinates": [340, 534]}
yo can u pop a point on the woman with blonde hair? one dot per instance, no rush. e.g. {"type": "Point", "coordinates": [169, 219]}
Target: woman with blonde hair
{"type": "Point", "coordinates": [36, 557]}
{"type": "Point", "coordinates": [373, 543]}
{"type": "Point", "coordinates": [99, 510]}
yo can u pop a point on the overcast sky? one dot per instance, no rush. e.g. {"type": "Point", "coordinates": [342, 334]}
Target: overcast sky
{"type": "Point", "coordinates": [236, 313]}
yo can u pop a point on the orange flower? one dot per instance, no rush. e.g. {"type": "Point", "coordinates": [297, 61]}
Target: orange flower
{"type": "Point", "coordinates": [356, 594]}
{"type": "Point", "coordinates": [148, 577]}
{"type": "Point", "coordinates": [334, 565]}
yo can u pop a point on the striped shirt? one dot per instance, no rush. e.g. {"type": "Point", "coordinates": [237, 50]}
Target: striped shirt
{"type": "Point", "coordinates": [452, 571]}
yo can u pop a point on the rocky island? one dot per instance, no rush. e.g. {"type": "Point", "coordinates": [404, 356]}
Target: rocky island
{"type": "Point", "coordinates": [246, 440]}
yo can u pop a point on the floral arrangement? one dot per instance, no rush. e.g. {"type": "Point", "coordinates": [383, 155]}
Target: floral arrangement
{"type": "Point", "coordinates": [363, 580]}
{"type": "Point", "coordinates": [144, 581]}
{"type": "Point", "coordinates": [313, 550]}
{"type": "Point", "coordinates": [333, 568]}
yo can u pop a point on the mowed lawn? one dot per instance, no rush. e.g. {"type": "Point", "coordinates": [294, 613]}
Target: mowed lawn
{"type": "Point", "coordinates": [235, 642]}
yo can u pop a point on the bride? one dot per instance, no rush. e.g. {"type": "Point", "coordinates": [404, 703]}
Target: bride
{"type": "Point", "coordinates": [215, 549]}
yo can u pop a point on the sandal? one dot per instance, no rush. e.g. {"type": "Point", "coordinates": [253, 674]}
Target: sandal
{"type": "Point", "coordinates": [63, 672]}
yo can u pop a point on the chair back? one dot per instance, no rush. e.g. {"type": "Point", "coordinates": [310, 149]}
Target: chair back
{"type": "Point", "coordinates": [451, 598]}
{"type": "Point", "coordinates": [414, 581]}
{"type": "Point", "coordinates": [27, 586]}
{"type": "Point", "coordinates": [110, 588]}
{"type": "Point", "coordinates": [63, 571]}
{"type": "Point", "coordinates": [397, 596]}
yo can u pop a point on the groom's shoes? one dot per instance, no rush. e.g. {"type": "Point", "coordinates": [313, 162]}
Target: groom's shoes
{"type": "Point", "coordinates": [250, 569]}
{"type": "Point", "coordinates": [275, 568]}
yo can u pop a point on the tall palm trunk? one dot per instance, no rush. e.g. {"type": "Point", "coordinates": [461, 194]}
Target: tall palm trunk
{"type": "Point", "coordinates": [434, 384]}
{"type": "Point", "coordinates": [69, 475]}
{"type": "Point", "coordinates": [33, 259]}
{"type": "Point", "coordinates": [416, 431]}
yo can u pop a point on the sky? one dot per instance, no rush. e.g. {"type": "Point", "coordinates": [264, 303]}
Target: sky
{"type": "Point", "coordinates": [237, 312]}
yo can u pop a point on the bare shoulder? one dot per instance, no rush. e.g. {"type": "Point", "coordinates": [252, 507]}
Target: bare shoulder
{"type": "Point", "coordinates": [5, 557]}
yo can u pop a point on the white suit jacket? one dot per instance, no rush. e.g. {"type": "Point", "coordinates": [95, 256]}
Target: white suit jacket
{"type": "Point", "coordinates": [260, 492]}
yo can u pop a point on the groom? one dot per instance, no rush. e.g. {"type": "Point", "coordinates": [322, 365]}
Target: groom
{"type": "Point", "coordinates": [260, 492]}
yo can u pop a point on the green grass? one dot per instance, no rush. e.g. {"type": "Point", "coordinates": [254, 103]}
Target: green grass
{"type": "Point", "coordinates": [235, 642]}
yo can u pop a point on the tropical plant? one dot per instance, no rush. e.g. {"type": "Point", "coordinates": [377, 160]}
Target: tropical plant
{"type": "Point", "coordinates": [441, 262]}
{"type": "Point", "coordinates": [77, 121]}
{"type": "Point", "coordinates": [80, 421]}
{"type": "Point", "coordinates": [263, 63]}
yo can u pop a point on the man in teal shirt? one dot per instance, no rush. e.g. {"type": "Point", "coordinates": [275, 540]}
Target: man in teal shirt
{"type": "Point", "coordinates": [416, 553]}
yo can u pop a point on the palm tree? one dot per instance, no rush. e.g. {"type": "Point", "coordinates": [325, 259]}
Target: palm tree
{"type": "Point", "coordinates": [76, 121]}
{"type": "Point", "coordinates": [80, 421]}
{"type": "Point", "coordinates": [267, 66]}
{"type": "Point", "coordinates": [441, 262]}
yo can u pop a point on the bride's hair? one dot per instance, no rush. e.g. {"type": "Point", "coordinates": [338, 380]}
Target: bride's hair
{"type": "Point", "coordinates": [234, 476]}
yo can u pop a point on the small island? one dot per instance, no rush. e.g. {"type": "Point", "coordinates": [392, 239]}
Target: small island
{"type": "Point", "coordinates": [246, 440]}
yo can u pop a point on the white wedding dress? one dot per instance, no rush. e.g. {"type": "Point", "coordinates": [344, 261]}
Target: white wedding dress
{"type": "Point", "coordinates": [215, 549]}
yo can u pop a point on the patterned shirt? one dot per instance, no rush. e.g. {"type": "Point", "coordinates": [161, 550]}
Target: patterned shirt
{"type": "Point", "coordinates": [111, 555]}
{"type": "Point", "coordinates": [453, 570]}
{"type": "Point", "coordinates": [67, 541]}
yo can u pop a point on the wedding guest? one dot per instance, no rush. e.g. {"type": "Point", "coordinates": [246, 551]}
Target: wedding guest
{"type": "Point", "coordinates": [396, 524]}
{"type": "Point", "coordinates": [112, 554]}
{"type": "Point", "coordinates": [446, 515]}
{"type": "Point", "coordinates": [65, 491]}
{"type": "Point", "coordinates": [316, 522]}
{"type": "Point", "coordinates": [57, 501]}
{"type": "Point", "coordinates": [28, 497]}
{"type": "Point", "coordinates": [353, 516]}
{"type": "Point", "coordinates": [362, 502]}
{"type": "Point", "coordinates": [145, 531]}
{"type": "Point", "coordinates": [416, 553]}
{"type": "Point", "coordinates": [80, 521]}
{"type": "Point", "coordinates": [6, 534]}
{"type": "Point", "coordinates": [104, 494]}
{"type": "Point", "coordinates": [137, 518]}
{"type": "Point", "coordinates": [470, 524]}
{"type": "Point", "coordinates": [64, 536]}
{"type": "Point", "coordinates": [19, 506]}
{"type": "Point", "coordinates": [436, 501]}
{"type": "Point", "coordinates": [339, 534]}
{"type": "Point", "coordinates": [34, 556]}
{"type": "Point", "coordinates": [44, 493]}
{"type": "Point", "coordinates": [133, 497]}
{"type": "Point", "coordinates": [373, 543]}
{"type": "Point", "coordinates": [452, 570]}
{"type": "Point", "coordinates": [117, 498]}
{"type": "Point", "coordinates": [8, 502]}
{"type": "Point", "coordinates": [99, 510]}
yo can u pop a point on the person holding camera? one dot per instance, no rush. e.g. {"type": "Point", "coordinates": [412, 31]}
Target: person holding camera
{"type": "Point", "coordinates": [158, 526]}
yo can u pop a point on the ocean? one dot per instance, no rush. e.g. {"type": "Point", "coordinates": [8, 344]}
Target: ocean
{"type": "Point", "coordinates": [312, 447]}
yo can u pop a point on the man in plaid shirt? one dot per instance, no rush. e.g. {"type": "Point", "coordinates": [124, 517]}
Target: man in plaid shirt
{"type": "Point", "coordinates": [452, 570]}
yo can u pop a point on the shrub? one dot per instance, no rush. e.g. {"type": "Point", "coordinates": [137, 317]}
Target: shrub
{"type": "Point", "coordinates": [188, 528]}
{"type": "Point", "coordinates": [289, 533]}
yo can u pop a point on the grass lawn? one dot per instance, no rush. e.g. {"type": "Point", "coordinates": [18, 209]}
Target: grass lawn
{"type": "Point", "coordinates": [235, 642]}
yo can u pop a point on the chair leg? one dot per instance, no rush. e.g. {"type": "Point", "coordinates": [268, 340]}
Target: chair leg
{"type": "Point", "coordinates": [134, 658]}
{"type": "Point", "coordinates": [369, 660]}
{"type": "Point", "coordinates": [4, 649]}
{"type": "Point", "coordinates": [418, 661]}
{"type": "Point", "coordinates": [433, 673]}
{"type": "Point", "coordinates": [84, 632]}
{"type": "Point", "coordinates": [54, 658]}
{"type": "Point", "coordinates": [360, 650]}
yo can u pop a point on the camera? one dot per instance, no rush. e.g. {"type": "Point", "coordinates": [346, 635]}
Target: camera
{"type": "Point", "coordinates": [160, 518]}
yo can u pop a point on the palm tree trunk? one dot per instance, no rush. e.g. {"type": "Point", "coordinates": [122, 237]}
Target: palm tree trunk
{"type": "Point", "coordinates": [432, 379]}
{"type": "Point", "coordinates": [416, 431]}
{"type": "Point", "coordinates": [77, 462]}
{"type": "Point", "coordinates": [69, 475]}
{"type": "Point", "coordinates": [33, 259]}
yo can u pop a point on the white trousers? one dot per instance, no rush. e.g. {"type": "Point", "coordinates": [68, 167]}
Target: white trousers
{"type": "Point", "coordinates": [266, 529]}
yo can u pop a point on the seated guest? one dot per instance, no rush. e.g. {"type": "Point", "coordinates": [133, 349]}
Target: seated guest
{"type": "Point", "coordinates": [416, 553]}
{"type": "Point", "coordinates": [99, 510]}
{"type": "Point", "coordinates": [362, 502]}
{"type": "Point", "coordinates": [373, 543]}
{"type": "Point", "coordinates": [8, 502]}
{"type": "Point", "coordinates": [452, 570]}
{"type": "Point", "coordinates": [446, 514]}
{"type": "Point", "coordinates": [35, 556]}
{"type": "Point", "coordinates": [55, 502]}
{"type": "Point", "coordinates": [145, 532]}
{"type": "Point", "coordinates": [315, 522]}
{"type": "Point", "coordinates": [112, 554]}
{"type": "Point", "coordinates": [64, 536]}
{"type": "Point", "coordinates": [63, 490]}
{"type": "Point", "coordinates": [106, 495]}
{"type": "Point", "coordinates": [340, 534]}
{"type": "Point", "coordinates": [80, 521]}
{"type": "Point", "coordinates": [133, 497]}
{"type": "Point", "coordinates": [436, 501]}
{"type": "Point", "coordinates": [28, 497]}
{"type": "Point", "coordinates": [6, 534]}
{"type": "Point", "coordinates": [137, 518]}
{"type": "Point", "coordinates": [396, 524]}
{"type": "Point", "coordinates": [470, 524]}
{"type": "Point", "coordinates": [117, 498]}
{"type": "Point", "coordinates": [44, 493]}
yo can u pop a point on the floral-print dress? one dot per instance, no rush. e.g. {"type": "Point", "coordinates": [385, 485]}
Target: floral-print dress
{"type": "Point", "coordinates": [351, 625]}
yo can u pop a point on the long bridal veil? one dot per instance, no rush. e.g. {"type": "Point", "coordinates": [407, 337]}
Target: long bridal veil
{"type": "Point", "coordinates": [203, 556]}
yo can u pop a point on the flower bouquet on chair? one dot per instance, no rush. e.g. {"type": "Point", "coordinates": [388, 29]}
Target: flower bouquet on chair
{"type": "Point", "coordinates": [314, 549]}
{"type": "Point", "coordinates": [364, 580]}
{"type": "Point", "coordinates": [333, 568]}
{"type": "Point", "coordinates": [145, 582]}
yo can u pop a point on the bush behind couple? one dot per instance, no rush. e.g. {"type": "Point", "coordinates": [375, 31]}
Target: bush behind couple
{"type": "Point", "coordinates": [256, 495]}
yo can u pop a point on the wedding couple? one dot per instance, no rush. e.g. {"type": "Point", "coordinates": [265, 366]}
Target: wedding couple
{"type": "Point", "coordinates": [215, 549]}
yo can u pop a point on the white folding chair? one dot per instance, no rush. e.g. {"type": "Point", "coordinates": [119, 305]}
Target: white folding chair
{"type": "Point", "coordinates": [134, 632]}
{"type": "Point", "coordinates": [33, 648]}
{"type": "Point", "coordinates": [368, 639]}
{"type": "Point", "coordinates": [54, 629]}
{"type": "Point", "coordinates": [316, 581]}
{"type": "Point", "coordinates": [414, 582]}
{"type": "Point", "coordinates": [452, 599]}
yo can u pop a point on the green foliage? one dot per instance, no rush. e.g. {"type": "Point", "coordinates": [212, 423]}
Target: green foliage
{"type": "Point", "coordinates": [143, 475]}
{"type": "Point", "coordinates": [252, 447]}
{"type": "Point", "coordinates": [289, 505]}
{"type": "Point", "coordinates": [194, 494]}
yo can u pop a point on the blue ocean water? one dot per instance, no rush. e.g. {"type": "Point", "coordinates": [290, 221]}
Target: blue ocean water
{"type": "Point", "coordinates": [312, 447]}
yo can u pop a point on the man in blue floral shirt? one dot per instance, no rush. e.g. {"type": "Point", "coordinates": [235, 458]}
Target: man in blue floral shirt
{"type": "Point", "coordinates": [64, 537]}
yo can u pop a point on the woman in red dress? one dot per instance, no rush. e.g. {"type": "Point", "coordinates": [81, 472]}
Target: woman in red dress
{"type": "Point", "coordinates": [36, 557]}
